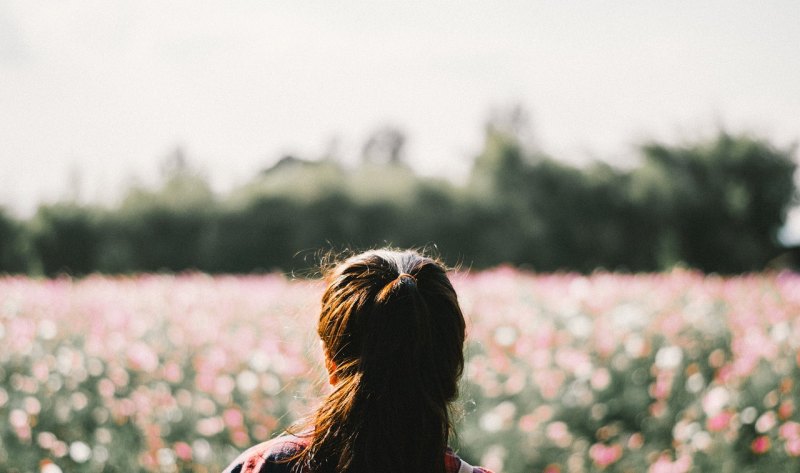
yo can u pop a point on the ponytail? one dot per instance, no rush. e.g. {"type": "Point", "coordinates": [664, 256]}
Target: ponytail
{"type": "Point", "coordinates": [391, 324]}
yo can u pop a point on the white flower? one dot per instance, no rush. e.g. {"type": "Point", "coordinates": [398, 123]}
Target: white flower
{"type": "Point", "coordinates": [669, 357]}
{"type": "Point", "coordinates": [79, 452]}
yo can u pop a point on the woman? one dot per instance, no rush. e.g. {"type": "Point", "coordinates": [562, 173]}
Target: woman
{"type": "Point", "coordinates": [393, 337]}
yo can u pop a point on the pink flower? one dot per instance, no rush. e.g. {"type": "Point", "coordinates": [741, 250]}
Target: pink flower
{"type": "Point", "coordinates": [789, 430]}
{"type": "Point", "coordinates": [786, 409]}
{"type": "Point", "coordinates": [233, 418]}
{"type": "Point", "coordinates": [527, 423]}
{"type": "Point", "coordinates": [604, 455]}
{"type": "Point", "coordinates": [719, 422]}
{"type": "Point", "coordinates": [600, 379]}
{"type": "Point", "coordinates": [142, 358]}
{"type": "Point", "coordinates": [183, 450]}
{"type": "Point", "coordinates": [760, 445]}
{"type": "Point", "coordinates": [558, 432]}
{"type": "Point", "coordinates": [240, 438]}
{"type": "Point", "coordinates": [636, 441]}
{"type": "Point", "coordinates": [664, 465]}
{"type": "Point", "coordinates": [172, 372]}
{"type": "Point", "coordinates": [792, 447]}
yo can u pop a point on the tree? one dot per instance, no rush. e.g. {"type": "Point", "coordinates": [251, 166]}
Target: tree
{"type": "Point", "coordinates": [15, 256]}
{"type": "Point", "coordinates": [722, 201]}
{"type": "Point", "coordinates": [162, 228]}
{"type": "Point", "coordinates": [385, 146]}
{"type": "Point", "coordinates": [65, 238]}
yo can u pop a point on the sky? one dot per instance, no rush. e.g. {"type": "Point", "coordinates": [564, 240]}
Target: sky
{"type": "Point", "coordinates": [95, 94]}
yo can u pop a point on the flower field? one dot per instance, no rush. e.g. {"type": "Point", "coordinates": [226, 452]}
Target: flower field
{"type": "Point", "coordinates": [663, 373]}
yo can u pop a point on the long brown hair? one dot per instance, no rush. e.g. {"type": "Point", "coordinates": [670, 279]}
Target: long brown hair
{"type": "Point", "coordinates": [391, 324]}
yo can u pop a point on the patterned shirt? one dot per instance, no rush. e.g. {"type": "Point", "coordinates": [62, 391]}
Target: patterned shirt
{"type": "Point", "coordinates": [271, 456]}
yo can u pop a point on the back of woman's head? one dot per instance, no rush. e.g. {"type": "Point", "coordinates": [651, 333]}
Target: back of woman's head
{"type": "Point", "coordinates": [393, 331]}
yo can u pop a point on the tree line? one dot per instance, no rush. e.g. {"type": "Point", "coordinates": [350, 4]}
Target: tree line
{"type": "Point", "coordinates": [715, 204]}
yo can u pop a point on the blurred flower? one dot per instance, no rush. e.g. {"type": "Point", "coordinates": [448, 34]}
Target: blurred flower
{"type": "Point", "coordinates": [558, 433]}
{"type": "Point", "coordinates": [505, 335]}
{"type": "Point", "coordinates": [201, 450]}
{"type": "Point", "coordinates": [59, 449]}
{"type": "Point", "coordinates": [79, 452]}
{"type": "Point", "coordinates": [142, 358]}
{"type": "Point", "coordinates": [246, 381]}
{"type": "Point", "coordinates": [701, 440]}
{"type": "Point", "coordinates": [233, 418]}
{"type": "Point", "coordinates": [748, 415]}
{"type": "Point", "coordinates": [635, 441]}
{"type": "Point", "coordinates": [792, 447]}
{"type": "Point", "coordinates": [714, 400]}
{"type": "Point", "coordinates": [789, 430]}
{"type": "Point", "coordinates": [695, 383]}
{"type": "Point", "coordinates": [786, 409]}
{"type": "Point", "coordinates": [760, 445]}
{"type": "Point", "coordinates": [49, 467]}
{"type": "Point", "coordinates": [100, 454]}
{"type": "Point", "coordinates": [719, 422]}
{"type": "Point", "coordinates": [604, 455]}
{"type": "Point", "coordinates": [766, 422]}
{"type": "Point", "coordinates": [32, 406]}
{"type": "Point", "coordinates": [46, 440]}
{"type": "Point", "coordinates": [183, 451]}
{"type": "Point", "coordinates": [498, 418]}
{"type": "Point", "coordinates": [166, 457]}
{"type": "Point", "coordinates": [494, 457]}
{"type": "Point", "coordinates": [665, 465]}
{"type": "Point", "coordinates": [684, 430]}
{"type": "Point", "coordinates": [600, 379]}
{"type": "Point", "coordinates": [210, 426]}
{"type": "Point", "coordinates": [669, 358]}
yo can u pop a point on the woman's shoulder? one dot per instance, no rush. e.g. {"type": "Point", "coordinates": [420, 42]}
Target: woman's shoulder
{"type": "Point", "coordinates": [480, 469]}
{"type": "Point", "coordinates": [268, 457]}
{"type": "Point", "coordinates": [272, 457]}
{"type": "Point", "coordinates": [453, 464]}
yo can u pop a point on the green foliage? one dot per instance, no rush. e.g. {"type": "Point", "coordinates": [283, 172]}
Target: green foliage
{"type": "Point", "coordinates": [15, 254]}
{"type": "Point", "coordinates": [715, 205]}
{"type": "Point", "coordinates": [720, 203]}
{"type": "Point", "coordinates": [65, 237]}
{"type": "Point", "coordinates": [162, 229]}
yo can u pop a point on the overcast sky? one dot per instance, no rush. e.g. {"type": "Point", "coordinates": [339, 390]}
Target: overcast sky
{"type": "Point", "coordinates": [105, 89]}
